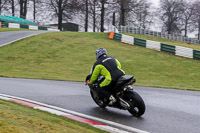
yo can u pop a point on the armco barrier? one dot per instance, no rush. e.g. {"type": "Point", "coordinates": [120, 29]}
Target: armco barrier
{"type": "Point", "coordinates": [127, 39]}
{"type": "Point", "coordinates": [3, 24]}
{"type": "Point", "coordinates": [50, 29]}
{"type": "Point", "coordinates": [172, 49]}
{"type": "Point", "coordinates": [42, 28]}
{"type": "Point", "coordinates": [32, 27]}
{"type": "Point", "coordinates": [153, 45]}
{"type": "Point", "coordinates": [23, 26]}
{"type": "Point", "coordinates": [184, 52]}
{"type": "Point", "coordinates": [140, 42]}
{"type": "Point", "coordinates": [117, 37]}
{"type": "Point", "coordinates": [168, 48]}
{"type": "Point", "coordinates": [13, 25]}
{"type": "Point", "coordinates": [196, 54]}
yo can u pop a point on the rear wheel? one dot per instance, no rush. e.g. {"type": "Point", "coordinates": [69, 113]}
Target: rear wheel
{"type": "Point", "coordinates": [98, 101]}
{"type": "Point", "coordinates": [136, 102]}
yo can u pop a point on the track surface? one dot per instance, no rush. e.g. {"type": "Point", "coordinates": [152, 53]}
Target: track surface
{"type": "Point", "coordinates": [168, 111]}
{"type": "Point", "coordinates": [7, 37]}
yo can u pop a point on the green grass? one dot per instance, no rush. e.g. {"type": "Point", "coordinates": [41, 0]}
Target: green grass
{"type": "Point", "coordinates": [15, 118]}
{"type": "Point", "coordinates": [167, 41]}
{"type": "Point", "coordinates": [70, 55]}
{"type": "Point", "coordinates": [12, 29]}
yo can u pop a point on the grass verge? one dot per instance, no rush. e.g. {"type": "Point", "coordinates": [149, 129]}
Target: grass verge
{"type": "Point", "coordinates": [166, 41]}
{"type": "Point", "coordinates": [15, 118]}
{"type": "Point", "coordinates": [70, 55]}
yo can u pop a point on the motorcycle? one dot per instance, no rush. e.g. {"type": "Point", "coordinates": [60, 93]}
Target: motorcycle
{"type": "Point", "coordinates": [127, 98]}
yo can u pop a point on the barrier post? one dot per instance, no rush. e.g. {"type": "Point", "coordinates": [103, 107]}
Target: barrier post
{"type": "Point", "coordinates": [0, 24]}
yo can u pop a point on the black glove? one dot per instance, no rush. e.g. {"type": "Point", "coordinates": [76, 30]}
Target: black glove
{"type": "Point", "coordinates": [93, 86]}
{"type": "Point", "coordinates": [96, 85]}
{"type": "Point", "coordinates": [88, 77]}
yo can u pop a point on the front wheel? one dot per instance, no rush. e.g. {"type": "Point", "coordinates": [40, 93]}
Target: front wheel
{"type": "Point", "coordinates": [136, 102]}
{"type": "Point", "coordinates": [98, 101]}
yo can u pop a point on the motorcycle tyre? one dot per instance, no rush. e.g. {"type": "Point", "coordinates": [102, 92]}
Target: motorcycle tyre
{"type": "Point", "coordinates": [100, 103]}
{"type": "Point", "coordinates": [136, 102]}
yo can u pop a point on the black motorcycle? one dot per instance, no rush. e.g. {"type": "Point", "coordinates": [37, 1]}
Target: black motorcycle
{"type": "Point", "coordinates": [127, 98]}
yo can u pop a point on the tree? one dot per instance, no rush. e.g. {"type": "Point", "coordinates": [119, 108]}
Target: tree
{"type": "Point", "coordinates": [171, 13]}
{"type": "Point", "coordinates": [188, 13]}
{"type": "Point", "coordinates": [34, 9]}
{"type": "Point", "coordinates": [196, 18]}
{"type": "Point", "coordinates": [13, 7]}
{"type": "Point", "coordinates": [64, 9]}
{"type": "Point", "coordinates": [132, 11]}
{"type": "Point", "coordinates": [89, 11]}
{"type": "Point", "coordinates": [86, 15]}
{"type": "Point", "coordinates": [94, 5]}
{"type": "Point", "coordinates": [122, 11]}
{"type": "Point", "coordinates": [3, 5]}
{"type": "Point", "coordinates": [23, 8]}
{"type": "Point", "coordinates": [103, 2]}
{"type": "Point", "coordinates": [144, 15]}
{"type": "Point", "coordinates": [129, 9]}
{"type": "Point", "coordinates": [37, 6]}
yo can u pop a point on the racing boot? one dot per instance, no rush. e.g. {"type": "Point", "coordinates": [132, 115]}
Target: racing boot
{"type": "Point", "coordinates": [112, 100]}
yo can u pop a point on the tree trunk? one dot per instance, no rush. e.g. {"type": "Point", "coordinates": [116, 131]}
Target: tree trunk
{"type": "Point", "coordinates": [102, 15]}
{"type": "Point", "coordinates": [0, 6]}
{"type": "Point", "coordinates": [60, 11]}
{"type": "Point", "coordinates": [86, 16]}
{"type": "Point", "coordinates": [169, 30]}
{"type": "Point", "coordinates": [169, 26]}
{"type": "Point", "coordinates": [60, 21]}
{"type": "Point", "coordinates": [23, 8]}
{"type": "Point", "coordinates": [199, 29]}
{"type": "Point", "coordinates": [13, 8]}
{"type": "Point", "coordinates": [186, 29]}
{"type": "Point", "coordinates": [122, 20]}
{"type": "Point", "coordinates": [113, 22]}
{"type": "Point", "coordinates": [34, 10]}
{"type": "Point", "coordinates": [94, 16]}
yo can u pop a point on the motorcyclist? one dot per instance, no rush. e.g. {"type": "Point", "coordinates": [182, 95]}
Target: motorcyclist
{"type": "Point", "coordinates": [110, 68]}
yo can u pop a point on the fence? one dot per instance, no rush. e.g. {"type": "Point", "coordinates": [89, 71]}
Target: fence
{"type": "Point", "coordinates": [127, 29]}
{"type": "Point", "coordinates": [172, 49]}
{"type": "Point", "coordinates": [16, 25]}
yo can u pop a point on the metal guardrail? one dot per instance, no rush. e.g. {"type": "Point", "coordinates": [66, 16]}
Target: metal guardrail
{"type": "Point", "coordinates": [127, 29]}
{"type": "Point", "coordinates": [16, 25]}
{"type": "Point", "coordinates": [158, 46]}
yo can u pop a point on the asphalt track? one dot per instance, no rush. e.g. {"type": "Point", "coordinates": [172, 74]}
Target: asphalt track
{"type": "Point", "coordinates": [11, 36]}
{"type": "Point", "coordinates": [168, 110]}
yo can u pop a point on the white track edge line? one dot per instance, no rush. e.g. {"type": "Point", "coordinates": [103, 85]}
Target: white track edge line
{"type": "Point", "coordinates": [60, 113]}
{"type": "Point", "coordinates": [81, 115]}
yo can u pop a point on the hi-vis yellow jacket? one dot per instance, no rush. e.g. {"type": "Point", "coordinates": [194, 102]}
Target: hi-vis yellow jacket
{"type": "Point", "coordinates": [108, 67]}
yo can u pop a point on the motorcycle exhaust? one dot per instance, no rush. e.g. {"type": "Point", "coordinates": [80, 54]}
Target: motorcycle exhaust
{"type": "Point", "coordinates": [124, 104]}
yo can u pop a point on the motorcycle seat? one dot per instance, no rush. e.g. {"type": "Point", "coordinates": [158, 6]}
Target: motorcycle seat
{"type": "Point", "coordinates": [125, 78]}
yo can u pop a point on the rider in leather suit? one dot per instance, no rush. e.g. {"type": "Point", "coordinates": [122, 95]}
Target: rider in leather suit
{"type": "Point", "coordinates": [110, 68]}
